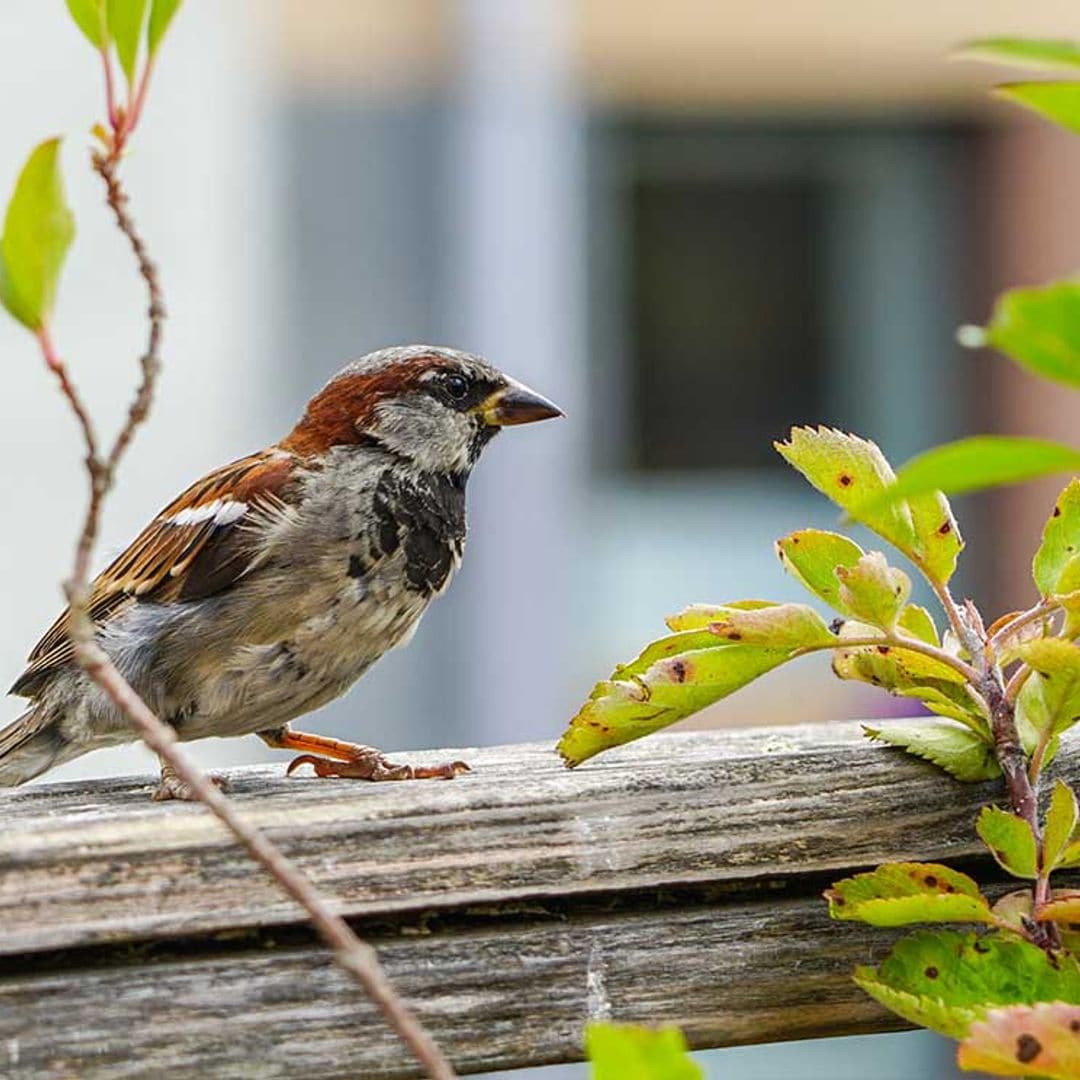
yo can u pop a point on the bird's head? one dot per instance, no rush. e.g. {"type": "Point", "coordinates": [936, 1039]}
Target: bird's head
{"type": "Point", "coordinates": [435, 406]}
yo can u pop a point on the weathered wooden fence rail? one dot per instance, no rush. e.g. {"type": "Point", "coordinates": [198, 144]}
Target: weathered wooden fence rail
{"type": "Point", "coordinates": [675, 880]}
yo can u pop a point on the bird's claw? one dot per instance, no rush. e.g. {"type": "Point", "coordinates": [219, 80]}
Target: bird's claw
{"type": "Point", "coordinates": [172, 787]}
{"type": "Point", "coordinates": [371, 765]}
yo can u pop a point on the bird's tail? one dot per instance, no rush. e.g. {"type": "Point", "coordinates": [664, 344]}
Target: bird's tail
{"type": "Point", "coordinates": [29, 746]}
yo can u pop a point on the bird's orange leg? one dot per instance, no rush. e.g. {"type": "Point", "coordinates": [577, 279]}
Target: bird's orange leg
{"type": "Point", "coordinates": [334, 757]}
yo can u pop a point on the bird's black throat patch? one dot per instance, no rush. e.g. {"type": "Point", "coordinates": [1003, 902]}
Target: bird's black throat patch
{"type": "Point", "coordinates": [425, 515]}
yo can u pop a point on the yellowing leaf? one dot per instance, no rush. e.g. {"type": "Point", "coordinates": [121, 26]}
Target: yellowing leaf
{"type": "Point", "coordinates": [783, 626]}
{"type": "Point", "coordinates": [873, 591]}
{"type": "Point", "coordinates": [629, 1052]}
{"type": "Point", "coordinates": [125, 25]}
{"type": "Point", "coordinates": [1010, 841]}
{"type": "Point", "coordinates": [621, 710]}
{"type": "Point", "coordinates": [89, 17]}
{"type": "Point", "coordinates": [38, 230]}
{"type": "Point", "coordinates": [161, 15]}
{"type": "Point", "coordinates": [958, 750]}
{"type": "Point", "coordinates": [1025, 1040]}
{"type": "Point", "coordinates": [917, 622]}
{"type": "Point", "coordinates": [1060, 543]}
{"type": "Point", "coordinates": [1061, 820]}
{"type": "Point", "coordinates": [702, 616]}
{"type": "Point", "coordinates": [1055, 101]}
{"type": "Point", "coordinates": [855, 475]}
{"type": "Point", "coordinates": [898, 894]}
{"type": "Point", "coordinates": [812, 557]}
{"type": "Point", "coordinates": [1050, 699]}
{"type": "Point", "coordinates": [1063, 907]}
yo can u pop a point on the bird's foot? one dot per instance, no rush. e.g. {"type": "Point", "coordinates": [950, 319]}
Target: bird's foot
{"type": "Point", "coordinates": [172, 787]}
{"type": "Point", "coordinates": [368, 764]}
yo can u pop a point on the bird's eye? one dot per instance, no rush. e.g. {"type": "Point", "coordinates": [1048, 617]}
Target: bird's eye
{"type": "Point", "coordinates": [456, 386]}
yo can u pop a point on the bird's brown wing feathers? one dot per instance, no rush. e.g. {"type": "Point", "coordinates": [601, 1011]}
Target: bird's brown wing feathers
{"type": "Point", "coordinates": [196, 547]}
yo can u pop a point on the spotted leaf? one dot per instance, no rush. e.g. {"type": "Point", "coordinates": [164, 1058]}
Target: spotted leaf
{"type": "Point", "coordinates": [898, 894]}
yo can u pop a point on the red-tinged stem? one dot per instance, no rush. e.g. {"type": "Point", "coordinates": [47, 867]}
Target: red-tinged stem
{"type": "Point", "coordinates": [135, 105]}
{"type": "Point", "coordinates": [110, 88]}
{"type": "Point", "coordinates": [1043, 610]}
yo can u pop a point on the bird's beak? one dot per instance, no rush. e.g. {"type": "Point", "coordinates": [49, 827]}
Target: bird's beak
{"type": "Point", "coordinates": [515, 403]}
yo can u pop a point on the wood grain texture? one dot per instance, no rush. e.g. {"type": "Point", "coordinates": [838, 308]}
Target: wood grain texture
{"type": "Point", "coordinates": [676, 879]}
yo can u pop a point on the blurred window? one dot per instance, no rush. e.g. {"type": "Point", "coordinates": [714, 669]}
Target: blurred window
{"type": "Point", "coordinates": [726, 307]}
{"type": "Point", "coordinates": [749, 276]}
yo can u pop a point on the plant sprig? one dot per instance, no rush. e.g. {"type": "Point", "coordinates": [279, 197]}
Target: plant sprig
{"type": "Point", "coordinates": [38, 230]}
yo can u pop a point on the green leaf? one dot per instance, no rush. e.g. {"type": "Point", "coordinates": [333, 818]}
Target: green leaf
{"type": "Point", "coordinates": [1055, 101]}
{"type": "Point", "coordinates": [855, 475]}
{"type": "Point", "coordinates": [125, 25]}
{"type": "Point", "coordinates": [89, 17]}
{"type": "Point", "coordinates": [946, 980]}
{"type": "Point", "coordinates": [629, 1052]}
{"type": "Point", "coordinates": [1053, 565]}
{"type": "Point", "coordinates": [623, 709]}
{"type": "Point", "coordinates": [918, 623]}
{"type": "Point", "coordinates": [812, 557]}
{"type": "Point", "coordinates": [161, 15]}
{"type": "Point", "coordinates": [873, 591]}
{"type": "Point", "coordinates": [1023, 52]}
{"type": "Point", "coordinates": [1050, 699]}
{"type": "Point", "coordinates": [1010, 841]}
{"type": "Point", "coordinates": [957, 750]}
{"type": "Point", "coordinates": [982, 461]}
{"type": "Point", "coordinates": [1061, 820]}
{"type": "Point", "coordinates": [38, 231]}
{"type": "Point", "coordinates": [1039, 328]}
{"type": "Point", "coordinates": [781, 626]}
{"type": "Point", "coordinates": [898, 894]}
{"type": "Point", "coordinates": [1025, 1040]}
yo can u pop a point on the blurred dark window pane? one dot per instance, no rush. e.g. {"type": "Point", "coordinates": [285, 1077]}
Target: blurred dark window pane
{"type": "Point", "coordinates": [725, 311]}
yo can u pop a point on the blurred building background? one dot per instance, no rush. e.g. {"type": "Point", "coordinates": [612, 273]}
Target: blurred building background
{"type": "Point", "coordinates": [692, 224]}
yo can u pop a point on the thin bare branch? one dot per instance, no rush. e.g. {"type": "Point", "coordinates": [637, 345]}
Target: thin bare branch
{"type": "Point", "coordinates": [358, 959]}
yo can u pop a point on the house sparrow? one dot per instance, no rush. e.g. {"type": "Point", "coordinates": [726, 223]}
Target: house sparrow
{"type": "Point", "coordinates": [271, 585]}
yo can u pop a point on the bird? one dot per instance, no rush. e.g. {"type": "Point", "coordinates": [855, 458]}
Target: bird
{"type": "Point", "coordinates": [272, 584]}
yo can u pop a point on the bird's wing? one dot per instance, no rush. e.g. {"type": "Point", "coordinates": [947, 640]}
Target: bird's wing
{"type": "Point", "coordinates": [199, 545]}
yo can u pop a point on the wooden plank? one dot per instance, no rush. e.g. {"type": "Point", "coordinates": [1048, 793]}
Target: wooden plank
{"type": "Point", "coordinates": [81, 864]}
{"type": "Point", "coordinates": [677, 879]}
{"type": "Point", "coordinates": [497, 992]}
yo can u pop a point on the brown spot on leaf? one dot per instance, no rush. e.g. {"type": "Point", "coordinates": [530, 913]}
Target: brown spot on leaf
{"type": "Point", "coordinates": [845, 479]}
{"type": "Point", "coordinates": [931, 972]}
{"type": "Point", "coordinates": [679, 670]}
{"type": "Point", "coordinates": [734, 635]}
{"type": "Point", "coordinates": [1074, 1026]}
{"type": "Point", "coordinates": [981, 947]}
{"type": "Point", "coordinates": [883, 649]}
{"type": "Point", "coordinates": [1028, 1048]}
{"type": "Point", "coordinates": [945, 528]}
{"type": "Point", "coordinates": [950, 888]}
{"type": "Point", "coordinates": [931, 881]}
{"type": "Point", "coordinates": [1057, 511]}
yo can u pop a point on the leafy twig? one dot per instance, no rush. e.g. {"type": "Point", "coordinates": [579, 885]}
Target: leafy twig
{"type": "Point", "coordinates": [902, 643]}
{"type": "Point", "coordinates": [357, 958]}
